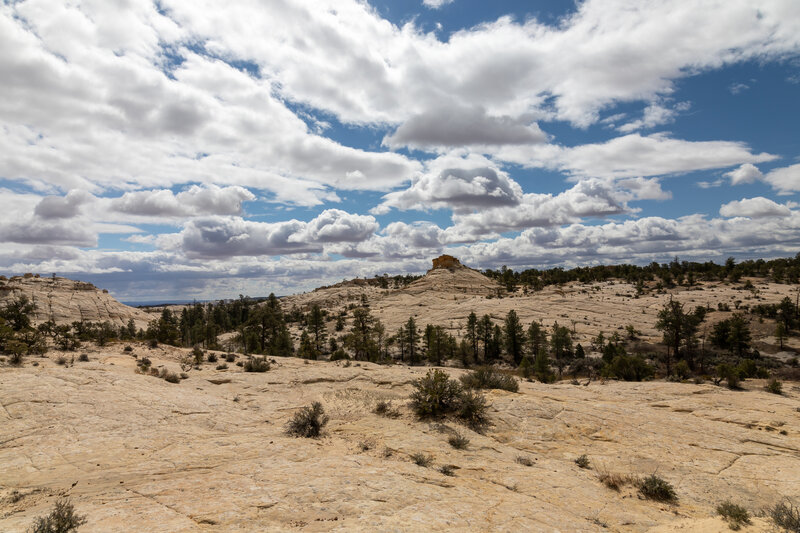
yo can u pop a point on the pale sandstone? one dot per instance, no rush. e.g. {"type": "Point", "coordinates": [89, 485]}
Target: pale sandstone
{"type": "Point", "coordinates": [147, 455]}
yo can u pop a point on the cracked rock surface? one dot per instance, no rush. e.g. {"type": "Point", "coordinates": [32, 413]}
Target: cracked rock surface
{"type": "Point", "coordinates": [135, 452]}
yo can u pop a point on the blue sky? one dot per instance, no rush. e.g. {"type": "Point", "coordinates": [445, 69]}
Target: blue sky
{"type": "Point", "coordinates": [184, 149]}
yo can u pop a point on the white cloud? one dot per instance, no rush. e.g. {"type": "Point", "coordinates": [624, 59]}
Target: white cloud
{"type": "Point", "coordinates": [195, 201]}
{"type": "Point", "coordinates": [436, 4]}
{"type": "Point", "coordinates": [736, 88]}
{"type": "Point", "coordinates": [754, 208]}
{"type": "Point", "coordinates": [746, 173]}
{"type": "Point", "coordinates": [785, 180]}
{"type": "Point", "coordinates": [653, 115]}
{"type": "Point", "coordinates": [634, 155]}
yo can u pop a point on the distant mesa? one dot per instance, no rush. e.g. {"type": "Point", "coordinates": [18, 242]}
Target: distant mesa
{"type": "Point", "coordinates": [446, 261]}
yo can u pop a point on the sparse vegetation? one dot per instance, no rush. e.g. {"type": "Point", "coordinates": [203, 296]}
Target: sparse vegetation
{"type": "Point", "coordinates": [524, 460]}
{"type": "Point", "coordinates": [436, 395]}
{"type": "Point", "coordinates": [582, 461]}
{"type": "Point", "coordinates": [385, 408]}
{"type": "Point", "coordinates": [421, 459]}
{"type": "Point", "coordinates": [83, 358]}
{"type": "Point", "coordinates": [656, 488]}
{"type": "Point", "coordinates": [62, 519]}
{"type": "Point", "coordinates": [736, 515]}
{"type": "Point", "coordinates": [447, 470]}
{"type": "Point", "coordinates": [774, 386]}
{"type": "Point", "coordinates": [613, 480]}
{"type": "Point", "coordinates": [308, 421]}
{"type": "Point", "coordinates": [785, 516]}
{"type": "Point", "coordinates": [458, 441]}
{"type": "Point", "coordinates": [256, 364]}
{"type": "Point", "coordinates": [488, 377]}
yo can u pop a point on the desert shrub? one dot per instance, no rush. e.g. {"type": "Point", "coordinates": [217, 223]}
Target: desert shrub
{"type": "Point", "coordinates": [61, 360]}
{"type": "Point", "coordinates": [169, 377]}
{"type": "Point", "coordinates": [84, 357]}
{"type": "Point", "coordinates": [488, 377]}
{"type": "Point", "coordinates": [656, 488]}
{"type": "Point", "coordinates": [524, 460]}
{"type": "Point", "coordinates": [230, 357]}
{"type": "Point", "coordinates": [730, 375]}
{"type": "Point", "coordinates": [628, 368]}
{"type": "Point", "coordinates": [747, 369]}
{"type": "Point", "coordinates": [308, 421]}
{"type": "Point", "coordinates": [786, 516]}
{"type": "Point", "coordinates": [447, 470]}
{"type": "Point", "coordinates": [339, 355]}
{"type": "Point", "coordinates": [211, 358]}
{"type": "Point", "coordinates": [458, 441]}
{"type": "Point", "coordinates": [198, 355]}
{"type": "Point", "coordinates": [421, 459]}
{"type": "Point", "coordinates": [62, 519]}
{"type": "Point", "coordinates": [582, 461]}
{"type": "Point", "coordinates": [472, 408]}
{"type": "Point", "coordinates": [682, 370]}
{"type": "Point", "coordinates": [222, 366]}
{"type": "Point", "coordinates": [128, 349]}
{"type": "Point", "coordinates": [526, 367]}
{"type": "Point", "coordinates": [144, 363]}
{"type": "Point", "coordinates": [152, 343]}
{"type": "Point", "coordinates": [774, 386]}
{"type": "Point", "coordinates": [435, 394]}
{"type": "Point", "coordinates": [16, 358]}
{"type": "Point", "coordinates": [612, 480]}
{"type": "Point", "coordinates": [736, 515]}
{"type": "Point", "coordinates": [256, 364]}
{"type": "Point", "coordinates": [385, 408]}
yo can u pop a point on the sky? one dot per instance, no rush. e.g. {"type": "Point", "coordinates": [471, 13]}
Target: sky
{"type": "Point", "coordinates": [197, 149]}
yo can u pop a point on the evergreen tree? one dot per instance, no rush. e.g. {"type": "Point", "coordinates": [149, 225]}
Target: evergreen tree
{"type": "Point", "coordinates": [472, 333]}
{"type": "Point", "coordinates": [513, 336]}
{"type": "Point", "coordinates": [561, 344]}
{"type": "Point", "coordinates": [316, 327]}
{"type": "Point", "coordinates": [536, 337]}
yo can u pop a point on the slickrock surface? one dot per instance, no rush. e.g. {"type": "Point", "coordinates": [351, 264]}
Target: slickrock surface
{"type": "Point", "coordinates": [136, 453]}
{"type": "Point", "coordinates": [67, 301]}
{"type": "Point", "coordinates": [446, 297]}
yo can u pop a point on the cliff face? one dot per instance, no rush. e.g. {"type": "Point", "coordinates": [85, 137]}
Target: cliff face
{"type": "Point", "coordinates": [446, 261]}
{"type": "Point", "coordinates": [66, 301]}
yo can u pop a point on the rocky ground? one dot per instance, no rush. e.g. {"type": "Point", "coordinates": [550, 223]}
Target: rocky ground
{"type": "Point", "coordinates": [136, 453]}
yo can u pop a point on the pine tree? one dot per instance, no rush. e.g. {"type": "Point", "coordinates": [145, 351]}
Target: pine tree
{"type": "Point", "coordinates": [316, 328]}
{"type": "Point", "coordinates": [513, 336]}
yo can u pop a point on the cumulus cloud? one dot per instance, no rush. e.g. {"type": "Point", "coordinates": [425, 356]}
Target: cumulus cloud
{"type": "Point", "coordinates": [460, 188]}
{"type": "Point", "coordinates": [785, 180]}
{"type": "Point", "coordinates": [746, 173]}
{"type": "Point", "coordinates": [455, 126]}
{"type": "Point", "coordinates": [754, 208]}
{"type": "Point", "coordinates": [33, 231]}
{"type": "Point", "coordinates": [335, 225]}
{"type": "Point", "coordinates": [67, 206]}
{"type": "Point", "coordinates": [195, 201]}
{"type": "Point", "coordinates": [634, 155]}
{"type": "Point", "coordinates": [654, 115]}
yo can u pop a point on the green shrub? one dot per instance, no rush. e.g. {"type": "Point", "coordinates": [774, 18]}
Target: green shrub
{"type": "Point", "coordinates": [472, 409]}
{"type": "Point", "coordinates": [786, 516]}
{"type": "Point", "coordinates": [62, 519]}
{"type": "Point", "coordinates": [169, 377]}
{"type": "Point", "coordinates": [421, 459]}
{"type": "Point", "coordinates": [435, 394]}
{"type": "Point", "coordinates": [152, 343]}
{"type": "Point", "coordinates": [308, 421]}
{"type": "Point", "coordinates": [458, 441]}
{"type": "Point", "coordinates": [211, 358]}
{"type": "Point", "coordinates": [747, 369]}
{"type": "Point", "coordinates": [682, 370]}
{"type": "Point", "coordinates": [488, 377]}
{"type": "Point", "coordinates": [582, 461]}
{"type": "Point", "coordinates": [736, 515]}
{"type": "Point", "coordinates": [198, 355]}
{"type": "Point", "coordinates": [61, 360]}
{"type": "Point", "coordinates": [256, 364]}
{"type": "Point", "coordinates": [222, 366]}
{"type": "Point", "coordinates": [127, 349]}
{"type": "Point", "coordinates": [339, 355]}
{"type": "Point", "coordinates": [774, 386]}
{"type": "Point", "coordinates": [83, 358]}
{"type": "Point", "coordinates": [230, 357]}
{"type": "Point", "coordinates": [144, 363]}
{"type": "Point", "coordinates": [628, 368]}
{"type": "Point", "coordinates": [730, 375]}
{"type": "Point", "coordinates": [656, 488]}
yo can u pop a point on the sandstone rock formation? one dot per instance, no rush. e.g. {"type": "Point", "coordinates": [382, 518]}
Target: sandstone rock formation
{"type": "Point", "coordinates": [66, 301]}
{"type": "Point", "coordinates": [446, 261]}
{"type": "Point", "coordinates": [210, 454]}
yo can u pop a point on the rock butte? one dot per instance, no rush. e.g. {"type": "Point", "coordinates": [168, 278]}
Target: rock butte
{"type": "Point", "coordinates": [210, 454]}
